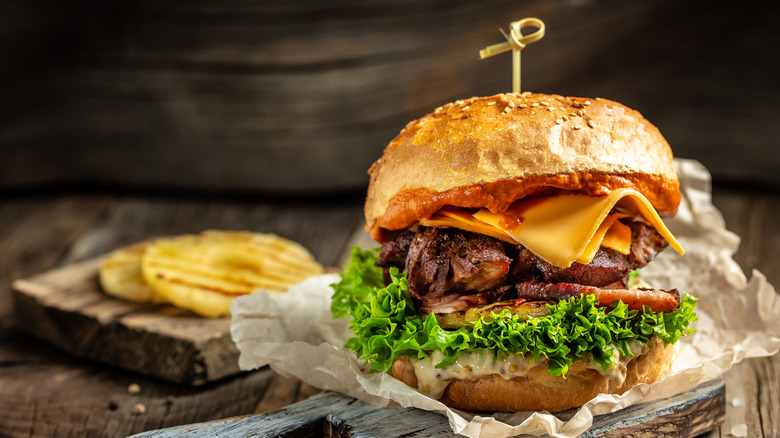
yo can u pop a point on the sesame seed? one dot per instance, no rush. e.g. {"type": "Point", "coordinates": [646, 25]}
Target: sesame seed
{"type": "Point", "coordinates": [491, 103]}
{"type": "Point", "coordinates": [576, 104]}
{"type": "Point", "coordinates": [535, 104]}
{"type": "Point", "coordinates": [565, 117]}
{"type": "Point", "coordinates": [522, 105]}
{"type": "Point", "coordinates": [506, 109]}
{"type": "Point", "coordinates": [139, 409]}
{"type": "Point", "coordinates": [459, 102]}
{"type": "Point", "coordinates": [465, 108]}
{"type": "Point", "coordinates": [586, 103]}
{"type": "Point", "coordinates": [581, 112]}
{"type": "Point", "coordinates": [512, 103]}
{"type": "Point", "coordinates": [545, 103]}
{"type": "Point", "coordinates": [572, 115]}
{"type": "Point", "coordinates": [558, 121]}
{"type": "Point", "coordinates": [591, 124]}
{"type": "Point", "coordinates": [549, 108]}
{"type": "Point", "coordinates": [576, 127]}
{"type": "Point", "coordinates": [134, 388]}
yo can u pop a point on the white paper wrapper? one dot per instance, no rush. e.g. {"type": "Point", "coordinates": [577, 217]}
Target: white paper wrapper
{"type": "Point", "coordinates": [295, 334]}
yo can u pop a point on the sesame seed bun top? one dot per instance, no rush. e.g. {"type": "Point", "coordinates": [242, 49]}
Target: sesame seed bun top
{"type": "Point", "coordinates": [491, 151]}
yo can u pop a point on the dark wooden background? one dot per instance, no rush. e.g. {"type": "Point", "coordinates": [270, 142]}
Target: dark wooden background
{"type": "Point", "coordinates": [301, 96]}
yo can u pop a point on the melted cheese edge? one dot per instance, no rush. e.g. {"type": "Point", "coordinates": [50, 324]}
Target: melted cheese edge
{"type": "Point", "coordinates": [471, 366]}
{"type": "Point", "coordinates": [562, 230]}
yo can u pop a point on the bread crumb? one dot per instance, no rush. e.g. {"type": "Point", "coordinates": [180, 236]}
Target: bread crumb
{"type": "Point", "coordinates": [737, 402]}
{"type": "Point", "coordinates": [139, 409]}
{"type": "Point", "coordinates": [739, 430]}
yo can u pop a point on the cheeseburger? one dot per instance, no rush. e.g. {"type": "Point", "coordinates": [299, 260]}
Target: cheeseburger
{"type": "Point", "coordinates": [512, 229]}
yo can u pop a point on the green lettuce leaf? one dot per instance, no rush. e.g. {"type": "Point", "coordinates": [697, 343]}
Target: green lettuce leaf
{"type": "Point", "coordinates": [359, 279]}
{"type": "Point", "coordinates": [387, 326]}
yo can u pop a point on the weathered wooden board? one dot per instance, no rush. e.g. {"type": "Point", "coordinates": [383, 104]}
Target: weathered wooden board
{"type": "Point", "coordinates": [46, 392]}
{"type": "Point", "coordinates": [67, 308]}
{"type": "Point", "coordinates": [688, 414]}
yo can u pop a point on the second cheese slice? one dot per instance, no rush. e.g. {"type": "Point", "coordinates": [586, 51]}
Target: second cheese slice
{"type": "Point", "coordinates": [558, 229]}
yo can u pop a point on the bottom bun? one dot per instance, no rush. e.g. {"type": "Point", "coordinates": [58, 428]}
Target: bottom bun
{"type": "Point", "coordinates": [538, 391]}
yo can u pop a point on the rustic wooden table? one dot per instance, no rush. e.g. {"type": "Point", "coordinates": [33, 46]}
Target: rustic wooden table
{"type": "Point", "coordinates": [45, 392]}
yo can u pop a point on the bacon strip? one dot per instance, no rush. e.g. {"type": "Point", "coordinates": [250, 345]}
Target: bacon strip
{"type": "Point", "coordinates": [655, 299]}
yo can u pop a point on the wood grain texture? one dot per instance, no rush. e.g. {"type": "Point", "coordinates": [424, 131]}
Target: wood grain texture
{"type": "Point", "coordinates": [753, 398]}
{"type": "Point", "coordinates": [326, 414]}
{"type": "Point", "coordinates": [32, 242]}
{"type": "Point", "coordinates": [302, 96]}
{"type": "Point", "coordinates": [686, 415]}
{"type": "Point", "coordinates": [45, 392]}
{"type": "Point", "coordinates": [71, 311]}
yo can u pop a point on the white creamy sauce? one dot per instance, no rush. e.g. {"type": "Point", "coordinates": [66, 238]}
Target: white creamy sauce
{"type": "Point", "coordinates": [616, 372]}
{"type": "Point", "coordinates": [470, 366]}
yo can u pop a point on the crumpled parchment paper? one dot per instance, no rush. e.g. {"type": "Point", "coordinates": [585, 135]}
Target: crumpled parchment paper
{"type": "Point", "coordinates": [295, 334]}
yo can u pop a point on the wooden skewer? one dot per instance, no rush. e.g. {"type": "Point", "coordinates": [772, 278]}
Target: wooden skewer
{"type": "Point", "coordinates": [515, 42]}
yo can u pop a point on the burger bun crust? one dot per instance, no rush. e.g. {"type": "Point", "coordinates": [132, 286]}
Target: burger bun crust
{"type": "Point", "coordinates": [490, 151]}
{"type": "Point", "coordinates": [538, 391]}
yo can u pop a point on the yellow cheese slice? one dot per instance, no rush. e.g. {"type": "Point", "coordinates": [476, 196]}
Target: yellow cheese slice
{"type": "Point", "coordinates": [611, 234]}
{"type": "Point", "coordinates": [598, 238]}
{"type": "Point", "coordinates": [455, 217]}
{"type": "Point", "coordinates": [618, 238]}
{"type": "Point", "coordinates": [559, 229]}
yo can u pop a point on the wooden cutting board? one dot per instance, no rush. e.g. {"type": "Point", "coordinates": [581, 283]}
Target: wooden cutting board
{"type": "Point", "coordinates": [688, 414]}
{"type": "Point", "coordinates": [67, 308]}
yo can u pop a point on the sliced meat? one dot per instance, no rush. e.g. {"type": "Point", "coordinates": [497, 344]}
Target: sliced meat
{"type": "Point", "coordinates": [452, 302]}
{"type": "Point", "coordinates": [394, 252]}
{"type": "Point", "coordinates": [646, 243]}
{"type": "Point", "coordinates": [479, 263]}
{"type": "Point", "coordinates": [457, 302]}
{"type": "Point", "coordinates": [657, 300]}
{"type": "Point", "coordinates": [607, 266]}
{"type": "Point", "coordinates": [525, 265]}
{"type": "Point", "coordinates": [441, 260]}
{"type": "Point", "coordinates": [426, 268]}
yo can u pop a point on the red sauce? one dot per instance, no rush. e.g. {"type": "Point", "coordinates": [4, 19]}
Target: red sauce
{"type": "Point", "coordinates": [408, 206]}
{"type": "Point", "coordinates": [510, 221]}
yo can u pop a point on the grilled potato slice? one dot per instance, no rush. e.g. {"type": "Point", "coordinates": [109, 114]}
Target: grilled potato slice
{"type": "Point", "coordinates": [205, 272]}
{"type": "Point", "coordinates": [120, 275]}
